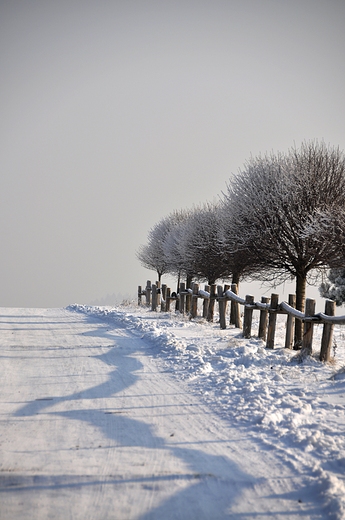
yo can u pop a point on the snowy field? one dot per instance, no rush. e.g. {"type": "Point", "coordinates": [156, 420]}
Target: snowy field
{"type": "Point", "coordinates": [124, 413]}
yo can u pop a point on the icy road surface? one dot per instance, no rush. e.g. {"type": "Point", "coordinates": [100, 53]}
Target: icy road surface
{"type": "Point", "coordinates": [93, 426]}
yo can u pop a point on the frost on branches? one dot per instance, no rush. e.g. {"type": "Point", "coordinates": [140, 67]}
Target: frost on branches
{"type": "Point", "coordinates": [334, 288]}
{"type": "Point", "coordinates": [282, 217]}
{"type": "Point", "coordinates": [201, 245]}
{"type": "Point", "coordinates": [274, 201]}
{"type": "Point", "coordinates": [152, 255]}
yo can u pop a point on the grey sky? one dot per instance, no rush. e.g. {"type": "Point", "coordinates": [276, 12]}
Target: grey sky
{"type": "Point", "coordinates": [114, 113]}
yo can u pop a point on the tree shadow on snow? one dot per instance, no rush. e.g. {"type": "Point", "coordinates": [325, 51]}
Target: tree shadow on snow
{"type": "Point", "coordinates": [209, 484]}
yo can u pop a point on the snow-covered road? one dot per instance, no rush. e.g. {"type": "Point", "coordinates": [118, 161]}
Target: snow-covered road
{"type": "Point", "coordinates": [94, 426]}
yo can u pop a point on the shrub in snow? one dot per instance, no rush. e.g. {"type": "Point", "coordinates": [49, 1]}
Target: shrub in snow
{"type": "Point", "coordinates": [334, 288]}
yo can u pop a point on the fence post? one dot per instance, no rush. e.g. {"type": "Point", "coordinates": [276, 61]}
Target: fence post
{"type": "Point", "coordinates": [221, 307]}
{"type": "Point", "coordinates": [247, 317]}
{"type": "Point", "coordinates": [205, 304]}
{"type": "Point", "coordinates": [232, 321]}
{"type": "Point", "coordinates": [262, 334]}
{"type": "Point", "coordinates": [213, 296]}
{"type": "Point", "coordinates": [177, 301]}
{"type": "Point", "coordinates": [182, 298]}
{"type": "Point", "coordinates": [327, 333]}
{"type": "Point", "coordinates": [188, 298]}
{"type": "Point", "coordinates": [307, 342]}
{"type": "Point", "coordinates": [290, 323]}
{"type": "Point", "coordinates": [272, 320]}
{"type": "Point", "coordinates": [164, 298]}
{"type": "Point", "coordinates": [194, 306]}
{"type": "Point", "coordinates": [139, 295]}
{"type": "Point", "coordinates": [148, 293]}
{"type": "Point", "coordinates": [167, 300]}
{"type": "Point", "coordinates": [225, 288]}
{"type": "Point", "coordinates": [154, 297]}
{"type": "Point", "coordinates": [235, 313]}
{"type": "Point", "coordinates": [158, 290]}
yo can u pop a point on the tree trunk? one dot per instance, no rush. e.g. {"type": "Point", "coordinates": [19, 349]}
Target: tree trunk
{"type": "Point", "coordinates": [236, 278]}
{"type": "Point", "coordinates": [301, 283]}
{"type": "Point", "coordinates": [178, 283]}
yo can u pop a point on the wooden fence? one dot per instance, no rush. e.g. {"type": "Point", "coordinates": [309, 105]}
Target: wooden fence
{"type": "Point", "coordinates": [187, 302]}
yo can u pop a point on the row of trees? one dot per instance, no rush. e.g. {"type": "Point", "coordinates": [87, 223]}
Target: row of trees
{"type": "Point", "coordinates": [282, 216]}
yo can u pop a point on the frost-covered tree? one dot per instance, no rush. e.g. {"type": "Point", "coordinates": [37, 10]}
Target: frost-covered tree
{"type": "Point", "coordinates": [149, 258]}
{"type": "Point", "coordinates": [329, 225]}
{"type": "Point", "coordinates": [200, 244]}
{"type": "Point", "coordinates": [239, 263]}
{"type": "Point", "coordinates": [334, 288]}
{"type": "Point", "coordinates": [272, 202]}
{"type": "Point", "coordinates": [174, 251]}
{"type": "Point", "coordinates": [152, 255]}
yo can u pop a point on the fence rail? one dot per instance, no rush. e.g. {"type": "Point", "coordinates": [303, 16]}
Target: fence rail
{"type": "Point", "coordinates": [186, 301]}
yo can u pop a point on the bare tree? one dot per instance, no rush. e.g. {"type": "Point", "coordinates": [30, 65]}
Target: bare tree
{"type": "Point", "coordinates": [272, 202]}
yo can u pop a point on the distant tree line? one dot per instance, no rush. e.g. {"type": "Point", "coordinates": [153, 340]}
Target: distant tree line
{"type": "Point", "coordinates": [282, 216]}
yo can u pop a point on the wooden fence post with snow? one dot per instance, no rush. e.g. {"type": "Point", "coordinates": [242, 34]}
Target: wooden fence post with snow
{"type": "Point", "coordinates": [290, 323]}
{"type": "Point", "coordinates": [213, 296]}
{"type": "Point", "coordinates": [194, 305]}
{"type": "Point", "coordinates": [182, 304]}
{"type": "Point", "coordinates": [327, 333]}
{"type": "Point", "coordinates": [307, 342]}
{"type": "Point", "coordinates": [272, 320]}
{"type": "Point", "coordinates": [235, 313]}
{"type": "Point", "coordinates": [158, 291]}
{"type": "Point", "coordinates": [154, 297]}
{"type": "Point", "coordinates": [262, 334]}
{"type": "Point", "coordinates": [148, 293]}
{"type": "Point", "coordinates": [188, 297]}
{"type": "Point", "coordinates": [164, 298]}
{"type": "Point", "coordinates": [226, 288]}
{"type": "Point", "coordinates": [139, 295]}
{"type": "Point", "coordinates": [206, 303]}
{"type": "Point", "coordinates": [167, 300]}
{"type": "Point", "coordinates": [221, 306]}
{"type": "Point", "coordinates": [248, 316]}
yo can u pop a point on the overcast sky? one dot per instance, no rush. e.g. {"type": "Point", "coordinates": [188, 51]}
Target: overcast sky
{"type": "Point", "coordinates": [116, 112]}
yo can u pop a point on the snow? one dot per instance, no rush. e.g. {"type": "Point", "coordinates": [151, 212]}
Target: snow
{"type": "Point", "coordinates": [128, 413]}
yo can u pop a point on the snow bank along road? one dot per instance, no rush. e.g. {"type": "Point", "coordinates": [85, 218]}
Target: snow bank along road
{"type": "Point", "coordinates": [97, 424]}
